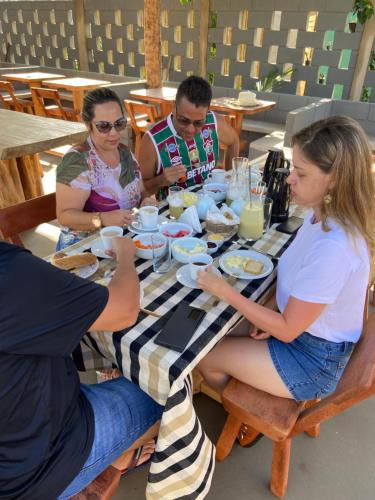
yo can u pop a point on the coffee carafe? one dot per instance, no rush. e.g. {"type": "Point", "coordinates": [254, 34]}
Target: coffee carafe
{"type": "Point", "coordinates": [279, 191]}
{"type": "Point", "coordinates": [275, 160]}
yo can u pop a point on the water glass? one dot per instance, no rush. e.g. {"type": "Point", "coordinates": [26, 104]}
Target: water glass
{"type": "Point", "coordinates": [267, 210]}
{"type": "Point", "coordinates": [161, 264]}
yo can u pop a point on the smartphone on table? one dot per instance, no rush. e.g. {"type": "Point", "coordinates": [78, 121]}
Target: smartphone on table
{"type": "Point", "coordinates": [290, 226]}
{"type": "Point", "coordinates": [180, 327]}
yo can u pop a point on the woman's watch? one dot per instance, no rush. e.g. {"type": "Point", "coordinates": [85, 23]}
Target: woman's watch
{"type": "Point", "coordinates": [96, 220]}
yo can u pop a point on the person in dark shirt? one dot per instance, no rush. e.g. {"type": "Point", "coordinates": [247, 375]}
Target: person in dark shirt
{"type": "Point", "coordinates": [57, 435]}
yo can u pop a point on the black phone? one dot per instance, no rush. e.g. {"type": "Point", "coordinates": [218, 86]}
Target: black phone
{"type": "Point", "coordinates": [180, 327]}
{"type": "Point", "coordinates": [290, 226]}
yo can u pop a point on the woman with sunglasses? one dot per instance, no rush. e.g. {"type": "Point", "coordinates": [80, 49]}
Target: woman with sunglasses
{"type": "Point", "coordinates": [98, 183]}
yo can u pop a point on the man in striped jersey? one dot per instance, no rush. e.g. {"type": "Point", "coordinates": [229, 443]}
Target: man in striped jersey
{"type": "Point", "coordinates": [184, 147]}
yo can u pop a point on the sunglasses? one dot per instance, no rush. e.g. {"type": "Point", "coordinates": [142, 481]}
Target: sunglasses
{"type": "Point", "coordinates": [182, 120]}
{"type": "Point", "coordinates": [105, 127]}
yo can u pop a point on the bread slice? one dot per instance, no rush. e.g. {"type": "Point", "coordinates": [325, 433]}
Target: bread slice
{"type": "Point", "coordinates": [64, 261]}
{"type": "Point", "coordinates": [253, 266]}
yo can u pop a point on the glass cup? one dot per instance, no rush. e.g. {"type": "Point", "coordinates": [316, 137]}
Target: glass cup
{"type": "Point", "coordinates": [267, 212]}
{"type": "Point", "coordinates": [176, 201]}
{"type": "Point", "coordinates": [108, 233]}
{"type": "Point", "coordinates": [161, 264]}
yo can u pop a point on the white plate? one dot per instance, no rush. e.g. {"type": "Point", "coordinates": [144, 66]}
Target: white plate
{"type": "Point", "coordinates": [235, 102]}
{"type": "Point", "coordinates": [97, 249]}
{"type": "Point", "coordinates": [105, 282]}
{"type": "Point", "coordinates": [183, 276]}
{"type": "Point", "coordinates": [87, 271]}
{"type": "Point", "coordinates": [238, 272]}
{"type": "Point", "coordinates": [137, 228]}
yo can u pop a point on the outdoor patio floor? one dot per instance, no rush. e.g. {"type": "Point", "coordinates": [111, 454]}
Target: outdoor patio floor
{"type": "Point", "coordinates": [338, 465]}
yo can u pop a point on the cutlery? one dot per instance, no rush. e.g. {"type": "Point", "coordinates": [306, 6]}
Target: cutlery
{"type": "Point", "coordinates": [249, 247]}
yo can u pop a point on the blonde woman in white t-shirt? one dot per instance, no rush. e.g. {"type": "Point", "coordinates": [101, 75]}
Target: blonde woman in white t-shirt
{"type": "Point", "coordinates": [300, 350]}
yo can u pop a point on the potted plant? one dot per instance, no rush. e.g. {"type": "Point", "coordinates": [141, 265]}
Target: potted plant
{"type": "Point", "coordinates": [364, 10]}
{"type": "Point", "coordinates": [322, 78]}
{"type": "Point", "coordinates": [273, 79]}
{"type": "Point", "coordinates": [365, 97]}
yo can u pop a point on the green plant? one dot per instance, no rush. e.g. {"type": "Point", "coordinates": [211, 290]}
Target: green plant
{"type": "Point", "coordinates": [273, 79]}
{"type": "Point", "coordinates": [371, 64]}
{"type": "Point", "coordinates": [366, 92]}
{"type": "Point", "coordinates": [186, 2]}
{"type": "Point", "coordinates": [364, 9]}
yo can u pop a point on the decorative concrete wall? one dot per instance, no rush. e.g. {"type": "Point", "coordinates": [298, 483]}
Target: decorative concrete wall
{"type": "Point", "coordinates": [246, 40]}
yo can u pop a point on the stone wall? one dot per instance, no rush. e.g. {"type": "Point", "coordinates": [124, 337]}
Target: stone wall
{"type": "Point", "coordinates": [246, 40]}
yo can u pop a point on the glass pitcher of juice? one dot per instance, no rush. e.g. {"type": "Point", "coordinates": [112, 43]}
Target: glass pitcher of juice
{"type": "Point", "coordinates": [252, 220]}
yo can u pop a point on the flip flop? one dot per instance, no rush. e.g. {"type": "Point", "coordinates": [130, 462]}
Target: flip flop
{"type": "Point", "coordinates": [134, 461]}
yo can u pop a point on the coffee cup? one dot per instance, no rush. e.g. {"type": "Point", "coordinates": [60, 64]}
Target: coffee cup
{"type": "Point", "coordinates": [108, 233]}
{"type": "Point", "coordinates": [217, 175]}
{"type": "Point", "coordinates": [149, 216]}
{"type": "Point", "coordinates": [246, 97]}
{"type": "Point", "coordinates": [197, 263]}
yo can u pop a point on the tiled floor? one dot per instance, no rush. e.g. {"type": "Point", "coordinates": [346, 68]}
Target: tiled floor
{"type": "Point", "coordinates": [338, 465]}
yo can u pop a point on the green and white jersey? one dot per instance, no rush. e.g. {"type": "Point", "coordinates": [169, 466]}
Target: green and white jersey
{"type": "Point", "coordinates": [199, 156]}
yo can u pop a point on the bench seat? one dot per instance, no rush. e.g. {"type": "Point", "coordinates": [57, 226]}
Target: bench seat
{"type": "Point", "coordinates": [261, 126]}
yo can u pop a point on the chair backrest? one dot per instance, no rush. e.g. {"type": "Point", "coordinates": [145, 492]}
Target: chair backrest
{"type": "Point", "coordinates": [134, 108]}
{"type": "Point", "coordinates": [26, 215]}
{"type": "Point", "coordinates": [11, 101]}
{"type": "Point", "coordinates": [356, 384]}
{"type": "Point", "coordinates": [40, 94]}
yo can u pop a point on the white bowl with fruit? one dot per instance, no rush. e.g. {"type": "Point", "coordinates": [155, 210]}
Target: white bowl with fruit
{"type": "Point", "coordinates": [146, 243]}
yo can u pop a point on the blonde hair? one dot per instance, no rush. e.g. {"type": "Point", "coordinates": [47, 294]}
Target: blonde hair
{"type": "Point", "coordinates": [339, 147]}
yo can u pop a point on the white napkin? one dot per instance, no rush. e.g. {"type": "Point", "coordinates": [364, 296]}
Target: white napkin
{"type": "Point", "coordinates": [190, 216]}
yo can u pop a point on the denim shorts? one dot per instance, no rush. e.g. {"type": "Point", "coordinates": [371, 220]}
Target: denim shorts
{"type": "Point", "coordinates": [310, 366]}
{"type": "Point", "coordinates": [122, 413]}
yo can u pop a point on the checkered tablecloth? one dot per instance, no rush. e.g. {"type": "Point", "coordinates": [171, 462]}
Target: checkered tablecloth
{"type": "Point", "coordinates": [183, 463]}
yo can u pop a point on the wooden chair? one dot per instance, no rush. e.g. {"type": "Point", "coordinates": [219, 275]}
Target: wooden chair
{"type": "Point", "coordinates": [13, 102]}
{"type": "Point", "coordinates": [26, 215]}
{"type": "Point", "coordinates": [56, 110]}
{"type": "Point", "coordinates": [281, 419]}
{"type": "Point", "coordinates": [102, 488]}
{"type": "Point", "coordinates": [141, 116]}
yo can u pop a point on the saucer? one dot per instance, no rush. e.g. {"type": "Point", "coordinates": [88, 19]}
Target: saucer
{"type": "Point", "coordinates": [183, 276]}
{"type": "Point", "coordinates": [97, 249]}
{"type": "Point", "coordinates": [137, 228]}
{"type": "Point", "coordinates": [236, 103]}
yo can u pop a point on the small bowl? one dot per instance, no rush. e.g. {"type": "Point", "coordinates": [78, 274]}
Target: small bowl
{"type": "Point", "coordinates": [216, 190]}
{"type": "Point", "coordinates": [184, 248]}
{"type": "Point", "coordinates": [190, 198]}
{"type": "Point", "coordinates": [173, 230]}
{"type": "Point", "coordinates": [216, 238]}
{"type": "Point", "coordinates": [145, 239]}
{"type": "Point", "coordinates": [212, 247]}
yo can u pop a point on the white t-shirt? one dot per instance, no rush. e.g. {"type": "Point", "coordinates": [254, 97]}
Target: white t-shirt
{"type": "Point", "coordinates": [327, 268]}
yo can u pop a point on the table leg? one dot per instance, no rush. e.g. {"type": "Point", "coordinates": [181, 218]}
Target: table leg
{"type": "Point", "coordinates": [239, 120]}
{"type": "Point", "coordinates": [11, 191]}
{"type": "Point", "coordinates": [78, 101]}
{"type": "Point", "coordinates": [29, 170]}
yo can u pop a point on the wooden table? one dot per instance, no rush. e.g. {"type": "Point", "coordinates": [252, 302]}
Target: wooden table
{"type": "Point", "coordinates": [164, 96]}
{"type": "Point", "coordinates": [33, 78]}
{"type": "Point", "coordinates": [226, 105]}
{"type": "Point", "coordinates": [22, 137]}
{"type": "Point", "coordinates": [78, 86]}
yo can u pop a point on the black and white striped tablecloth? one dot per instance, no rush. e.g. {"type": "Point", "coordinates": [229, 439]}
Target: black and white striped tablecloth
{"type": "Point", "coordinates": [183, 463]}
